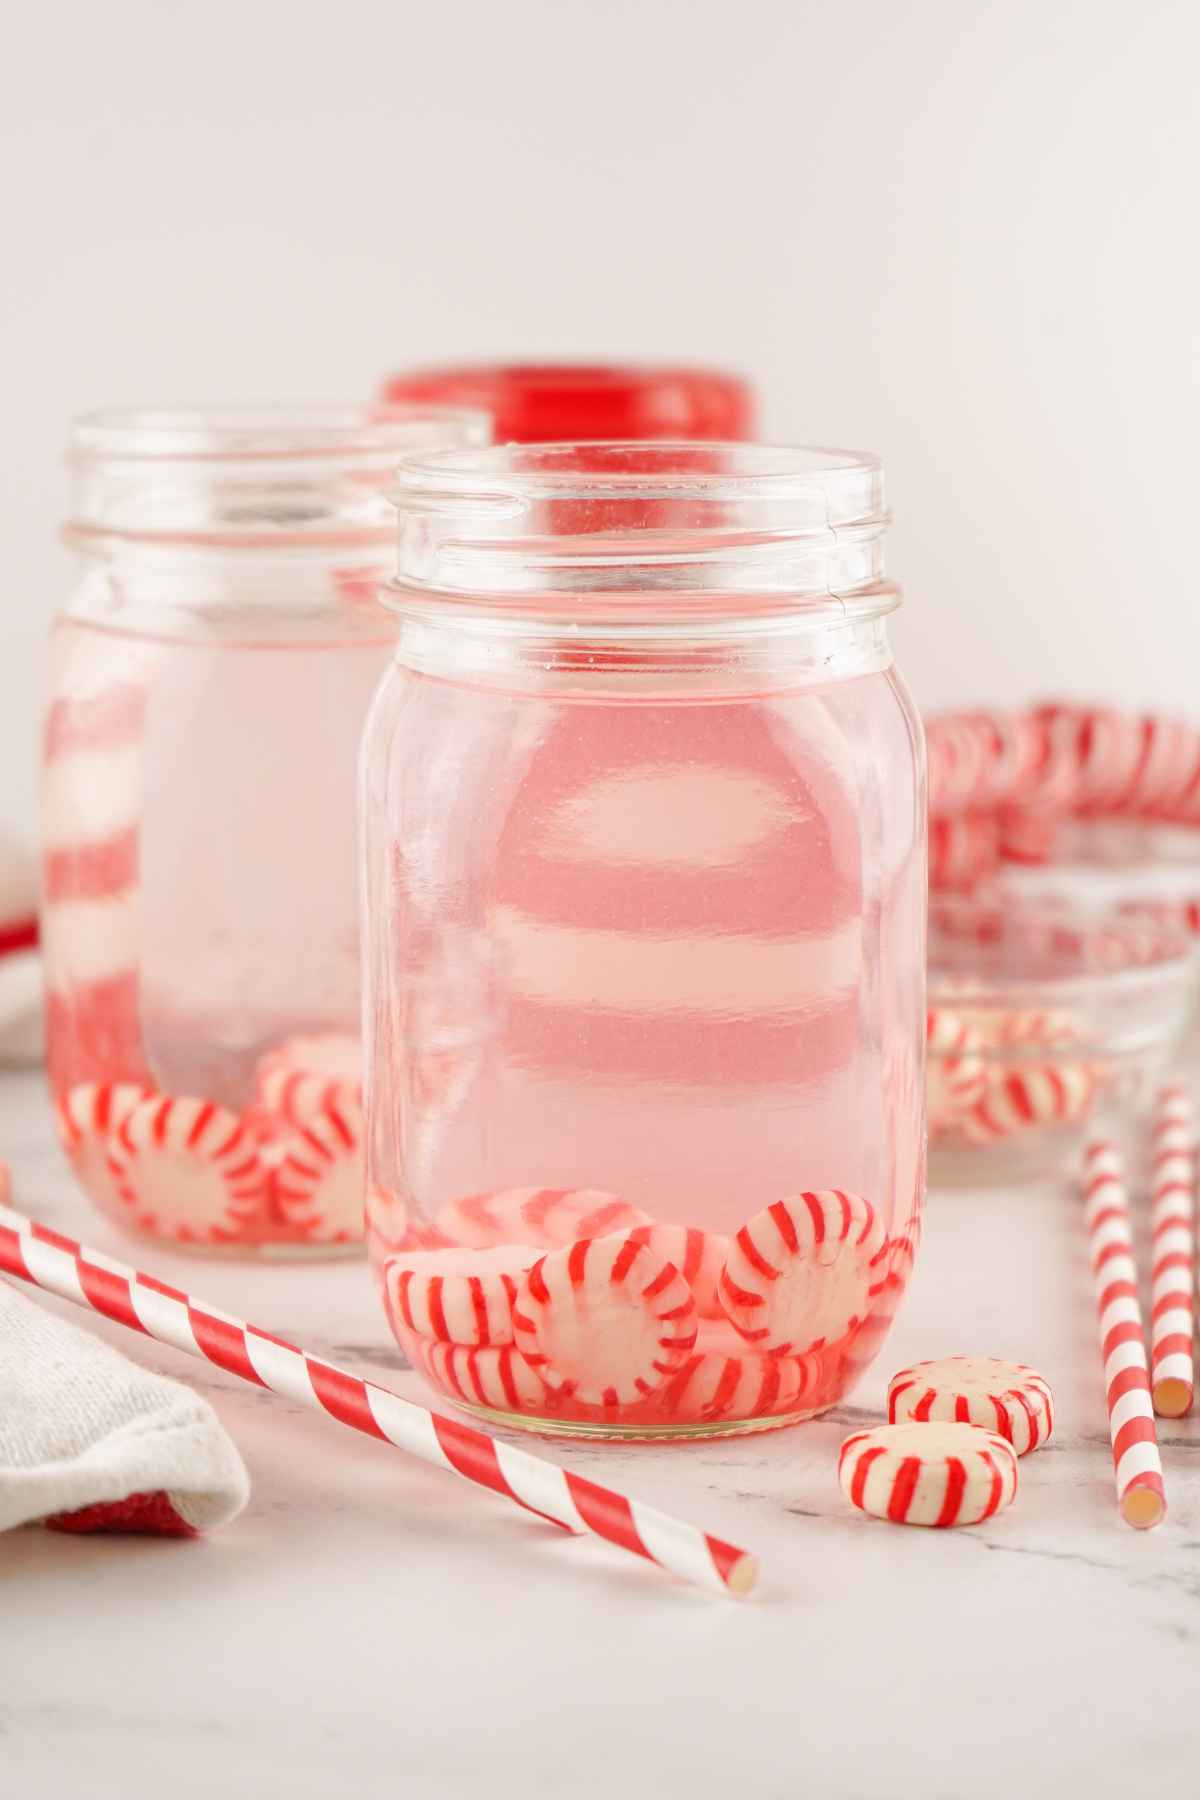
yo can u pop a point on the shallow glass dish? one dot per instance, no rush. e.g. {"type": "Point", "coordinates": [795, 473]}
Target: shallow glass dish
{"type": "Point", "coordinates": [1044, 1013]}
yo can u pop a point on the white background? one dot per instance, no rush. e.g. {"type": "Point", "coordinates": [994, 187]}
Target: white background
{"type": "Point", "coordinates": [961, 232]}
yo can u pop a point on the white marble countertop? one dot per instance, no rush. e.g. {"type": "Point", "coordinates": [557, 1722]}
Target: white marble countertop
{"type": "Point", "coordinates": [371, 1627]}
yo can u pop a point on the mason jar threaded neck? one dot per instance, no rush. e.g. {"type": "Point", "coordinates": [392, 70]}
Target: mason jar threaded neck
{"type": "Point", "coordinates": [690, 528]}
{"type": "Point", "coordinates": [265, 477]}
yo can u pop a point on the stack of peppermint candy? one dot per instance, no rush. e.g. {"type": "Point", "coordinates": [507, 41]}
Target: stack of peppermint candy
{"type": "Point", "coordinates": [1043, 1009]}
{"type": "Point", "coordinates": [285, 1171]}
{"type": "Point", "coordinates": [1007, 787]}
{"type": "Point", "coordinates": [998, 1074]}
{"type": "Point", "coordinates": [576, 1309]}
{"type": "Point", "coordinates": [1062, 938]}
{"type": "Point", "coordinates": [948, 1455]}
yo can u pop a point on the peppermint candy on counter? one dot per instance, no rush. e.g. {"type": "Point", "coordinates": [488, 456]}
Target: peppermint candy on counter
{"type": "Point", "coordinates": [937, 1475]}
{"type": "Point", "coordinates": [1004, 1397]}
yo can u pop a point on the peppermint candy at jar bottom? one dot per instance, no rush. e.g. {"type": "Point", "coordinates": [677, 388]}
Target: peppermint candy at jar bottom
{"type": "Point", "coordinates": [1004, 1397]}
{"type": "Point", "coordinates": [937, 1475]}
{"type": "Point", "coordinates": [494, 1375]}
{"type": "Point", "coordinates": [698, 1255]}
{"type": "Point", "coordinates": [545, 1217]}
{"type": "Point", "coordinates": [88, 1114]}
{"type": "Point", "coordinates": [319, 1187]}
{"type": "Point", "coordinates": [305, 1076]}
{"type": "Point", "coordinates": [605, 1321]}
{"type": "Point", "coordinates": [805, 1271]}
{"type": "Point", "coordinates": [725, 1379]}
{"type": "Point", "coordinates": [189, 1169]}
{"type": "Point", "coordinates": [457, 1296]}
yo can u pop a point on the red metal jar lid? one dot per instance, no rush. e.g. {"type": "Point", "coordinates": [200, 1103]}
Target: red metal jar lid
{"type": "Point", "coordinates": [546, 403]}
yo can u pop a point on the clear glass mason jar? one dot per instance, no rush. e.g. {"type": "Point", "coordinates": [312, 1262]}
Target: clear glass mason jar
{"type": "Point", "coordinates": [644, 929]}
{"type": "Point", "coordinates": [209, 679]}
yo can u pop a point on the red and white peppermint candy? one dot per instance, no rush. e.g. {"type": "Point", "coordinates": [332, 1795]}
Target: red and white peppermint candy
{"type": "Point", "coordinates": [956, 1072]}
{"type": "Point", "coordinates": [805, 1271]}
{"type": "Point", "coordinates": [1027, 773]}
{"type": "Point", "coordinates": [1029, 1098]}
{"type": "Point", "coordinates": [87, 1115]}
{"type": "Point", "coordinates": [698, 1255]}
{"type": "Point", "coordinates": [960, 752]}
{"type": "Point", "coordinates": [544, 1217]}
{"type": "Point", "coordinates": [1005, 1397]}
{"type": "Point", "coordinates": [1170, 755]}
{"type": "Point", "coordinates": [1107, 750]}
{"type": "Point", "coordinates": [305, 1076]}
{"type": "Point", "coordinates": [1024, 1028]}
{"type": "Point", "coordinates": [1028, 834]}
{"type": "Point", "coordinates": [387, 1220]}
{"type": "Point", "coordinates": [963, 849]}
{"type": "Point", "coordinates": [319, 1186]}
{"type": "Point", "coordinates": [492, 1375]}
{"type": "Point", "coordinates": [1034, 770]}
{"type": "Point", "coordinates": [457, 1296]}
{"type": "Point", "coordinates": [928, 1474]}
{"type": "Point", "coordinates": [188, 1169]}
{"type": "Point", "coordinates": [605, 1321]}
{"type": "Point", "coordinates": [724, 1379]}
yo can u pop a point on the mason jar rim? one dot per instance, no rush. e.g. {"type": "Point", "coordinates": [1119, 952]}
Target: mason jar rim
{"type": "Point", "coordinates": [274, 478]}
{"type": "Point", "coordinates": [269, 432]}
{"type": "Point", "coordinates": [652, 468]}
{"type": "Point", "coordinates": [789, 525]}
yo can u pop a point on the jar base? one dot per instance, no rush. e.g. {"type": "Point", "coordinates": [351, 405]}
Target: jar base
{"type": "Point", "coordinates": [537, 1425]}
{"type": "Point", "coordinates": [290, 1252]}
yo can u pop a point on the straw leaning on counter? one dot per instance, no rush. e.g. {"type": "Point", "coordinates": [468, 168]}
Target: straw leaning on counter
{"type": "Point", "coordinates": [1141, 1497]}
{"type": "Point", "coordinates": [49, 1260]}
{"type": "Point", "coordinates": [1173, 1256]}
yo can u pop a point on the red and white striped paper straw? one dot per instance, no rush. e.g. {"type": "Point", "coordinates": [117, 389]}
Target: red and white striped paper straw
{"type": "Point", "coordinates": [1141, 1497]}
{"type": "Point", "coordinates": [1173, 1274]}
{"type": "Point", "coordinates": [49, 1260]}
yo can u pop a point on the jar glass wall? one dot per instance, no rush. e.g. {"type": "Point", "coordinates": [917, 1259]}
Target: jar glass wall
{"type": "Point", "coordinates": [643, 836]}
{"type": "Point", "coordinates": [209, 679]}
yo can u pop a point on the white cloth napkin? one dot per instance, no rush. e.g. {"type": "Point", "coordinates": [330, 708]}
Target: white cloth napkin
{"type": "Point", "coordinates": [91, 1442]}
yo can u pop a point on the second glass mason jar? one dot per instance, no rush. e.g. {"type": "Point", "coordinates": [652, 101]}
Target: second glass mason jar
{"type": "Point", "coordinates": [209, 680]}
{"type": "Point", "coordinates": [644, 842]}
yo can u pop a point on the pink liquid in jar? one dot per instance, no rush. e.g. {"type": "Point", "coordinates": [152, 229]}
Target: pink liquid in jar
{"type": "Point", "coordinates": [210, 676]}
{"type": "Point", "coordinates": [644, 938]}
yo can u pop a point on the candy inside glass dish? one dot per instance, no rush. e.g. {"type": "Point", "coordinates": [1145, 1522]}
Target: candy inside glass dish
{"type": "Point", "coordinates": [1043, 1013]}
{"type": "Point", "coordinates": [1113, 797]}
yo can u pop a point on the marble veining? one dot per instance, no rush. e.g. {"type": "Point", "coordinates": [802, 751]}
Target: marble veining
{"type": "Point", "coordinates": [370, 1627]}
